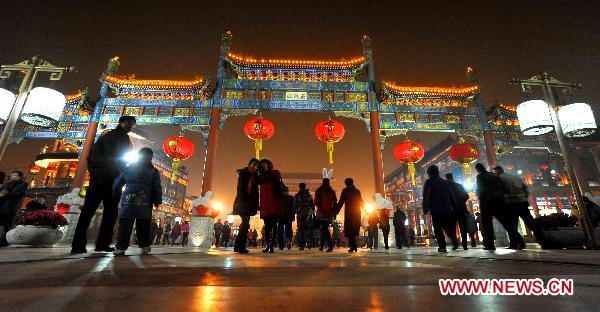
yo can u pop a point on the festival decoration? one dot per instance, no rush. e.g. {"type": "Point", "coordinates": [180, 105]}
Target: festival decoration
{"type": "Point", "coordinates": [178, 148]}
{"type": "Point", "coordinates": [7, 100]}
{"type": "Point", "coordinates": [330, 132]}
{"type": "Point", "coordinates": [465, 154]}
{"type": "Point", "coordinates": [43, 107]}
{"type": "Point", "coordinates": [409, 153]}
{"type": "Point", "coordinates": [577, 120]}
{"type": "Point", "coordinates": [534, 117]}
{"type": "Point", "coordinates": [34, 169]}
{"type": "Point", "coordinates": [259, 129]}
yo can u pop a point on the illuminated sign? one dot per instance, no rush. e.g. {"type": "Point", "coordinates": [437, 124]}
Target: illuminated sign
{"type": "Point", "coordinates": [296, 96]}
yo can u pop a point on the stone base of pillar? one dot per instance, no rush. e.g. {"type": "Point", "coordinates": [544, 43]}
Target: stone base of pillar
{"type": "Point", "coordinates": [201, 231]}
{"type": "Point", "coordinates": [69, 229]}
{"type": "Point", "coordinates": [501, 235]}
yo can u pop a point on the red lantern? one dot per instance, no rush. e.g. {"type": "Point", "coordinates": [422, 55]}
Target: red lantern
{"type": "Point", "coordinates": [259, 129]}
{"type": "Point", "coordinates": [330, 131]}
{"type": "Point", "coordinates": [178, 148]}
{"type": "Point", "coordinates": [409, 153]}
{"type": "Point", "coordinates": [464, 153]}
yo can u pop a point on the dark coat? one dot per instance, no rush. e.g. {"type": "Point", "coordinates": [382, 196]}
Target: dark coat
{"type": "Point", "coordinates": [438, 198]}
{"type": "Point", "coordinates": [326, 201]}
{"type": "Point", "coordinates": [353, 202]}
{"type": "Point", "coordinates": [106, 156]}
{"type": "Point", "coordinates": [373, 220]}
{"type": "Point", "coordinates": [142, 191]}
{"type": "Point", "coordinates": [490, 191]}
{"type": "Point", "coordinates": [10, 204]}
{"type": "Point", "coordinates": [246, 201]}
{"type": "Point", "coordinates": [303, 204]}
{"type": "Point", "coordinates": [287, 214]}
{"type": "Point", "coordinates": [399, 219]}
{"type": "Point", "coordinates": [384, 221]}
{"type": "Point", "coordinates": [270, 205]}
{"type": "Point", "coordinates": [461, 196]}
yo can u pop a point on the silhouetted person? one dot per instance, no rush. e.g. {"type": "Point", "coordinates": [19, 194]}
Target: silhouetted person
{"type": "Point", "coordinates": [326, 201]}
{"type": "Point", "coordinates": [372, 230]}
{"type": "Point", "coordinates": [226, 234]}
{"type": "Point", "coordinates": [352, 200]}
{"type": "Point", "coordinates": [142, 191]}
{"type": "Point", "coordinates": [516, 201]}
{"type": "Point", "coordinates": [285, 233]}
{"type": "Point", "coordinates": [105, 163]}
{"type": "Point", "coordinates": [460, 211]}
{"type": "Point", "coordinates": [305, 210]}
{"type": "Point", "coordinates": [271, 206]}
{"type": "Point", "coordinates": [439, 201]}
{"type": "Point", "coordinates": [399, 221]}
{"type": "Point", "coordinates": [246, 203]}
{"type": "Point", "coordinates": [491, 199]}
{"type": "Point", "coordinates": [11, 200]}
{"type": "Point", "coordinates": [384, 225]}
{"type": "Point", "coordinates": [218, 228]}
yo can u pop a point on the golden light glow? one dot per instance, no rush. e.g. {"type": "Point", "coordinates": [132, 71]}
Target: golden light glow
{"type": "Point", "coordinates": [369, 207]}
{"type": "Point", "coordinates": [130, 82]}
{"type": "Point", "coordinates": [74, 97]}
{"type": "Point", "coordinates": [512, 108]}
{"type": "Point", "coordinates": [432, 90]}
{"type": "Point", "coordinates": [297, 63]}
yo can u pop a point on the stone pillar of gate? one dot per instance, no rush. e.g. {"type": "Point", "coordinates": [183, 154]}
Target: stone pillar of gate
{"type": "Point", "coordinates": [90, 136]}
{"type": "Point", "coordinates": [377, 158]}
{"type": "Point", "coordinates": [211, 150]}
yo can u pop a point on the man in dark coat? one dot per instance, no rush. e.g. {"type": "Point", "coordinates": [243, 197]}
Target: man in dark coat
{"type": "Point", "coordinates": [491, 199]}
{"type": "Point", "coordinates": [399, 228]}
{"type": "Point", "coordinates": [105, 163]}
{"type": "Point", "coordinates": [218, 228]}
{"type": "Point", "coordinates": [142, 191]}
{"type": "Point", "coordinates": [438, 200]}
{"type": "Point", "coordinates": [246, 203]}
{"type": "Point", "coordinates": [372, 230]}
{"type": "Point", "coordinates": [353, 202]}
{"type": "Point", "coordinates": [284, 226]}
{"type": "Point", "coordinates": [226, 234]}
{"type": "Point", "coordinates": [460, 211]}
{"type": "Point", "coordinates": [11, 200]}
{"type": "Point", "coordinates": [305, 210]}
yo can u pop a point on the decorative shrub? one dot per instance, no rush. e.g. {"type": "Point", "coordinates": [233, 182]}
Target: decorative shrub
{"type": "Point", "coordinates": [43, 218]}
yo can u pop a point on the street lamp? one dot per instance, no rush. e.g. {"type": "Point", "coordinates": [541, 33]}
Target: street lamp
{"type": "Point", "coordinates": [31, 69]}
{"type": "Point", "coordinates": [548, 83]}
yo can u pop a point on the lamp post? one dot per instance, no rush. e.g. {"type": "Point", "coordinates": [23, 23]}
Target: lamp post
{"type": "Point", "coordinates": [31, 69]}
{"type": "Point", "coordinates": [548, 83]}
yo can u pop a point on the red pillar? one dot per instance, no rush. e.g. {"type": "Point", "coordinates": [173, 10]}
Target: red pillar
{"type": "Point", "coordinates": [377, 159]}
{"type": "Point", "coordinates": [490, 151]}
{"type": "Point", "coordinates": [90, 137]}
{"type": "Point", "coordinates": [211, 150]}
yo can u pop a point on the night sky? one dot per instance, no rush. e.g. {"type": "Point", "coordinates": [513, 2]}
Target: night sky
{"type": "Point", "coordinates": [414, 44]}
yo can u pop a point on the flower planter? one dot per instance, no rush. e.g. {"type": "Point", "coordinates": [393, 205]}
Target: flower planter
{"type": "Point", "coordinates": [34, 235]}
{"type": "Point", "coordinates": [565, 237]}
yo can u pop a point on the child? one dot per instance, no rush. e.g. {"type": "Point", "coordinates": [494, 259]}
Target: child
{"type": "Point", "coordinates": [142, 191]}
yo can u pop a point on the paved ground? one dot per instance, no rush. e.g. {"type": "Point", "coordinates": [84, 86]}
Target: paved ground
{"type": "Point", "coordinates": [178, 279]}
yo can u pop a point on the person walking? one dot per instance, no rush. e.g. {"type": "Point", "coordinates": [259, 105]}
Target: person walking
{"type": "Point", "coordinates": [185, 233]}
{"type": "Point", "coordinates": [159, 233]}
{"type": "Point", "coordinates": [218, 228]}
{"type": "Point", "coordinates": [399, 221]}
{"type": "Point", "coordinates": [285, 233]}
{"type": "Point", "coordinates": [246, 203]}
{"type": "Point", "coordinates": [11, 200]}
{"type": "Point", "coordinates": [516, 200]}
{"type": "Point", "coordinates": [439, 202]}
{"type": "Point", "coordinates": [176, 234]}
{"type": "Point", "coordinates": [153, 229]}
{"type": "Point", "coordinates": [372, 230]}
{"type": "Point", "coordinates": [226, 234]}
{"type": "Point", "coordinates": [384, 225]}
{"type": "Point", "coordinates": [142, 191]}
{"type": "Point", "coordinates": [305, 210]}
{"type": "Point", "coordinates": [460, 211]}
{"type": "Point", "coordinates": [325, 201]}
{"type": "Point", "coordinates": [167, 234]}
{"type": "Point", "coordinates": [254, 238]}
{"type": "Point", "coordinates": [105, 163]}
{"type": "Point", "coordinates": [271, 195]}
{"type": "Point", "coordinates": [352, 202]}
{"type": "Point", "coordinates": [491, 199]}
{"type": "Point", "coordinates": [337, 234]}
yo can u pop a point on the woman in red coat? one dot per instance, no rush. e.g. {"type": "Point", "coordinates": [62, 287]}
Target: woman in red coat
{"type": "Point", "coordinates": [326, 201]}
{"type": "Point", "coordinates": [270, 202]}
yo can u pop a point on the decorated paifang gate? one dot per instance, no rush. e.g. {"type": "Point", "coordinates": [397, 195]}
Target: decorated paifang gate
{"type": "Point", "coordinates": [248, 85]}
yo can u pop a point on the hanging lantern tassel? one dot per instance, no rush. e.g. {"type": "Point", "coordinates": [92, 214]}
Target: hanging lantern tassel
{"type": "Point", "coordinates": [330, 151]}
{"type": "Point", "coordinates": [467, 169]}
{"type": "Point", "coordinates": [174, 167]}
{"type": "Point", "coordinates": [258, 147]}
{"type": "Point", "coordinates": [412, 171]}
